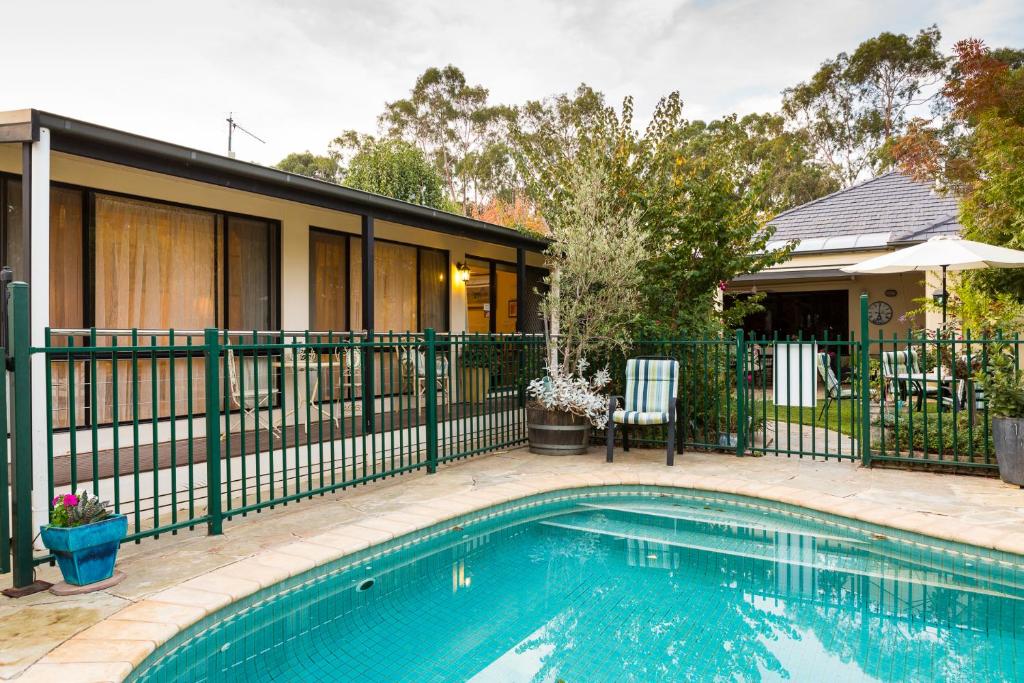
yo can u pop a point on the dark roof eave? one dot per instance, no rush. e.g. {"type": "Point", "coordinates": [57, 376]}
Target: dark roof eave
{"type": "Point", "coordinates": [107, 144]}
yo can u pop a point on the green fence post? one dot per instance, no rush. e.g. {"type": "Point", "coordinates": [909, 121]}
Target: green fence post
{"type": "Point", "coordinates": [21, 433]}
{"type": "Point", "coordinates": [741, 378]}
{"type": "Point", "coordinates": [369, 420]}
{"type": "Point", "coordinates": [430, 338]}
{"type": "Point", "coordinates": [865, 384]}
{"type": "Point", "coordinates": [5, 523]}
{"type": "Point", "coordinates": [215, 523]}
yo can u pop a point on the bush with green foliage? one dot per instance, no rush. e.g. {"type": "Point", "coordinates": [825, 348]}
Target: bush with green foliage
{"type": "Point", "coordinates": [1003, 383]}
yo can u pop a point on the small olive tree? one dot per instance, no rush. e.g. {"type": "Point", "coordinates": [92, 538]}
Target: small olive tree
{"type": "Point", "coordinates": [594, 262]}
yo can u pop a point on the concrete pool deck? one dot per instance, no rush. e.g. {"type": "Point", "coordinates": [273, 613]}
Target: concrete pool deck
{"type": "Point", "coordinates": [174, 581]}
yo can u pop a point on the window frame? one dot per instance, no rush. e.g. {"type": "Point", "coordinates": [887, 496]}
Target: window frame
{"type": "Point", "coordinates": [492, 295]}
{"type": "Point", "coordinates": [348, 237]}
{"type": "Point", "coordinates": [221, 219]}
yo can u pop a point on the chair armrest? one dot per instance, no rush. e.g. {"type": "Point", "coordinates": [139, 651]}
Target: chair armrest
{"type": "Point", "coordinates": [613, 403]}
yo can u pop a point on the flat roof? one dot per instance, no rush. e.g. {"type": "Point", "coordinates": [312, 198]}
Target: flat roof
{"type": "Point", "coordinates": [80, 138]}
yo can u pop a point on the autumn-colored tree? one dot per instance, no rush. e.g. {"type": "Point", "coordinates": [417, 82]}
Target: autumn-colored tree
{"type": "Point", "coordinates": [978, 154]}
{"type": "Point", "coordinates": [520, 214]}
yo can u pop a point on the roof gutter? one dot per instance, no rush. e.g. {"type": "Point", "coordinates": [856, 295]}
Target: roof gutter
{"type": "Point", "coordinates": [107, 144]}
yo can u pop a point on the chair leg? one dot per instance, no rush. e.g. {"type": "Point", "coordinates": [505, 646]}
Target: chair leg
{"type": "Point", "coordinates": [670, 448]}
{"type": "Point", "coordinates": [610, 441]}
{"type": "Point", "coordinates": [610, 430]}
{"type": "Point", "coordinates": [625, 437]}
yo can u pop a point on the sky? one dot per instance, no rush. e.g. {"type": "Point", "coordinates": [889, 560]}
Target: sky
{"type": "Point", "coordinates": [299, 73]}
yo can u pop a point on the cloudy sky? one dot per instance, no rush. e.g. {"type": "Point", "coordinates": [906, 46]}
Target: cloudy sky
{"type": "Point", "coordinates": [297, 73]}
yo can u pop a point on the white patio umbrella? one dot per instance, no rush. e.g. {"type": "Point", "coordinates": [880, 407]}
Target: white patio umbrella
{"type": "Point", "coordinates": [945, 252]}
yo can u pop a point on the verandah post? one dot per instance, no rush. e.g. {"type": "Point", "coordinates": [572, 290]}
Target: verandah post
{"type": "Point", "coordinates": [18, 337]}
{"type": "Point", "coordinates": [430, 340]}
{"type": "Point", "coordinates": [741, 413]}
{"type": "Point", "coordinates": [211, 349]}
{"type": "Point", "coordinates": [865, 384]}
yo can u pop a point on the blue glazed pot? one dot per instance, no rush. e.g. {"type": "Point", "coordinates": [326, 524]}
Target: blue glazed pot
{"type": "Point", "coordinates": [86, 554]}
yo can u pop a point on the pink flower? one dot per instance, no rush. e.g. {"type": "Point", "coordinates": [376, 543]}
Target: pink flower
{"type": "Point", "coordinates": [56, 499]}
{"type": "Point", "coordinates": [722, 284]}
{"type": "Point", "coordinates": [70, 500]}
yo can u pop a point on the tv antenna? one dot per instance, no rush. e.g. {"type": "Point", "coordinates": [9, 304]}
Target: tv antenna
{"type": "Point", "coordinates": [231, 130]}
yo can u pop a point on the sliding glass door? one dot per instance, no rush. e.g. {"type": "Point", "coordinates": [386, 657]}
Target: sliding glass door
{"type": "Point", "coordinates": [491, 305]}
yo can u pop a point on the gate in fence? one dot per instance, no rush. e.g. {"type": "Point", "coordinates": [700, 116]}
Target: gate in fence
{"type": "Point", "coordinates": [184, 429]}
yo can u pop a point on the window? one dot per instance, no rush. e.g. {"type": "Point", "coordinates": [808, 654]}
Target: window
{"type": "Point", "coordinates": [491, 304]}
{"type": "Point", "coordinates": [250, 274]}
{"type": "Point", "coordinates": [328, 281]}
{"type": "Point", "coordinates": [434, 289]}
{"type": "Point", "coordinates": [120, 262]}
{"type": "Point", "coordinates": [155, 265]}
{"type": "Point", "coordinates": [66, 257]}
{"type": "Point", "coordinates": [394, 287]}
{"type": "Point", "coordinates": [410, 284]}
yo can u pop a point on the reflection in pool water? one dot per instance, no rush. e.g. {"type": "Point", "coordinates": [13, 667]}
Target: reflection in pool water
{"type": "Point", "coordinates": [635, 588]}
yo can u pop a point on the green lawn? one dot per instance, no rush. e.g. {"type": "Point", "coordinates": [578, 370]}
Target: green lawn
{"type": "Point", "coordinates": [832, 420]}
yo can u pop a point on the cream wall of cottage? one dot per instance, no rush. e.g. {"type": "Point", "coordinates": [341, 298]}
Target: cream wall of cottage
{"type": "Point", "coordinates": [295, 218]}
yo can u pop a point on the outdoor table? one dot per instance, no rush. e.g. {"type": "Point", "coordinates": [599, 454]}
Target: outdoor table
{"type": "Point", "coordinates": [933, 377]}
{"type": "Point", "coordinates": [306, 384]}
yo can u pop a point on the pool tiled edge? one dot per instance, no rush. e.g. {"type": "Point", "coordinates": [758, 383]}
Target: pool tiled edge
{"type": "Point", "coordinates": [112, 648]}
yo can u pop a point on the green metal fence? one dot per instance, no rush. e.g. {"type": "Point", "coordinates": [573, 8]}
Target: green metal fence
{"type": "Point", "coordinates": [179, 429]}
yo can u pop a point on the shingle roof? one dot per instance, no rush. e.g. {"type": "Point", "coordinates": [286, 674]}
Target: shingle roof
{"type": "Point", "coordinates": [890, 208]}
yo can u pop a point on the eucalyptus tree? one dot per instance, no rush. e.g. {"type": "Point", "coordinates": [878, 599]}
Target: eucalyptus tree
{"type": "Point", "coordinates": [454, 125]}
{"type": "Point", "coordinates": [855, 104]}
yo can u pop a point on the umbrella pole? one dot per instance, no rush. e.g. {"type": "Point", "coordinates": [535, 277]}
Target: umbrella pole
{"type": "Point", "coordinates": [945, 297]}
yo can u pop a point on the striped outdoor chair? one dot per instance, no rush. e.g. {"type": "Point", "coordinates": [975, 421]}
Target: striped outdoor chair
{"type": "Point", "coordinates": [650, 399]}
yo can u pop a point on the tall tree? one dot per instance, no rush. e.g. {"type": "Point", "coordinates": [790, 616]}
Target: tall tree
{"type": "Point", "coordinates": [393, 168]}
{"type": "Point", "coordinates": [453, 124]}
{"type": "Point", "coordinates": [701, 229]}
{"type": "Point", "coordinates": [322, 167]}
{"type": "Point", "coordinates": [772, 166]}
{"type": "Point", "coordinates": [856, 104]}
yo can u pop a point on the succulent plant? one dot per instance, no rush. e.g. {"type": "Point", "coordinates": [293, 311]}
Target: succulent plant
{"type": "Point", "coordinates": [71, 510]}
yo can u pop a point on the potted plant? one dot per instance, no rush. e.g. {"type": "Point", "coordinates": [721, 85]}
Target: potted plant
{"type": "Point", "coordinates": [590, 306]}
{"type": "Point", "coordinates": [1003, 383]}
{"type": "Point", "coordinates": [84, 537]}
{"type": "Point", "coordinates": [475, 371]}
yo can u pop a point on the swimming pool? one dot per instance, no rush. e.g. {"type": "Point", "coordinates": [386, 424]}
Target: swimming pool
{"type": "Point", "coordinates": [630, 584]}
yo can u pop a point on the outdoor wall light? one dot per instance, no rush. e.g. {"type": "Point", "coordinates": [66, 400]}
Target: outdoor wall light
{"type": "Point", "coordinates": [462, 272]}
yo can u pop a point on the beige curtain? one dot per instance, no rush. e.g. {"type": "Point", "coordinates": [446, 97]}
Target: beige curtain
{"type": "Point", "coordinates": [155, 265]}
{"type": "Point", "coordinates": [66, 258]}
{"type": "Point", "coordinates": [248, 279]}
{"type": "Point", "coordinates": [394, 288]}
{"type": "Point", "coordinates": [328, 290]}
{"type": "Point", "coordinates": [434, 289]}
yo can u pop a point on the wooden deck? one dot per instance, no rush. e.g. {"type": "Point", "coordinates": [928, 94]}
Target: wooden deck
{"type": "Point", "coordinates": [176, 454]}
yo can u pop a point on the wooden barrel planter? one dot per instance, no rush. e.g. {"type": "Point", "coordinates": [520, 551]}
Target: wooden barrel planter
{"type": "Point", "coordinates": [554, 432]}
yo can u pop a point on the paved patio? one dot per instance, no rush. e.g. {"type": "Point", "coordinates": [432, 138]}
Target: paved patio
{"type": "Point", "coordinates": [174, 581]}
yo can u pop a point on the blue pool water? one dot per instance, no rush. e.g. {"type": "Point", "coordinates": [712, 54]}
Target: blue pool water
{"type": "Point", "coordinates": [642, 585]}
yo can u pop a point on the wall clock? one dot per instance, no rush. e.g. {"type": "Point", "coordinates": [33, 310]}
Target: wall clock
{"type": "Point", "coordinates": [879, 313]}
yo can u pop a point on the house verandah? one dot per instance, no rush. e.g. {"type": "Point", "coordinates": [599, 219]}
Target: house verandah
{"type": "Point", "coordinates": [124, 239]}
